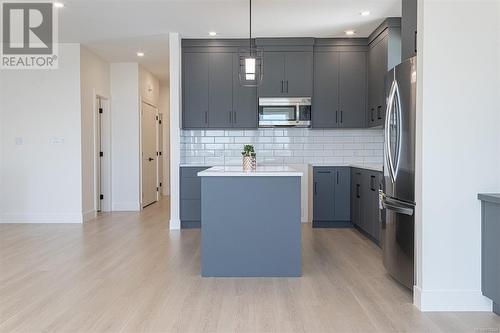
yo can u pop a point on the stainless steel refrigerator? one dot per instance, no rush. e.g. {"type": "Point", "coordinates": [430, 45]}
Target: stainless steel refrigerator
{"type": "Point", "coordinates": [397, 200]}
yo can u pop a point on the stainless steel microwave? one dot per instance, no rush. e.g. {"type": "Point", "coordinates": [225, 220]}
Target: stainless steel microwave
{"type": "Point", "coordinates": [285, 112]}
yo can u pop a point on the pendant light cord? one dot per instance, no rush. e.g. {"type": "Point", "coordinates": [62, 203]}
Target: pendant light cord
{"type": "Point", "coordinates": [250, 39]}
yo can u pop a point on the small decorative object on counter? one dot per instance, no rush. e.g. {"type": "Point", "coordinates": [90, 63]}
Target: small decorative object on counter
{"type": "Point", "coordinates": [249, 158]}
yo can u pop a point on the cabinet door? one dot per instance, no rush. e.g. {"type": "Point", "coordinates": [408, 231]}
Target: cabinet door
{"type": "Point", "coordinates": [195, 92]}
{"type": "Point", "coordinates": [245, 111]}
{"type": "Point", "coordinates": [326, 86]}
{"type": "Point", "coordinates": [364, 218]}
{"type": "Point", "coordinates": [273, 80]}
{"type": "Point", "coordinates": [352, 89]}
{"type": "Point", "coordinates": [298, 74]}
{"type": "Point", "coordinates": [323, 209]}
{"type": "Point", "coordinates": [356, 197]}
{"type": "Point", "coordinates": [409, 29]}
{"type": "Point", "coordinates": [372, 94]}
{"type": "Point", "coordinates": [220, 90]}
{"type": "Point", "coordinates": [342, 202]}
{"type": "Point", "coordinates": [372, 209]}
{"type": "Point", "coordinates": [381, 61]}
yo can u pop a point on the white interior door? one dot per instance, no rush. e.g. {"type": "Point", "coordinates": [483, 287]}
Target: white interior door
{"type": "Point", "coordinates": [160, 153]}
{"type": "Point", "coordinates": [149, 157]}
{"type": "Point", "coordinates": [99, 153]}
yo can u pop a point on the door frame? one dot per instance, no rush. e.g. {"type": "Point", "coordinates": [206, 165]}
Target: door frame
{"type": "Point", "coordinates": [142, 101]}
{"type": "Point", "coordinates": [105, 160]}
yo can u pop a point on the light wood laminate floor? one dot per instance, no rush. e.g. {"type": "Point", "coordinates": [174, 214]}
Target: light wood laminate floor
{"type": "Point", "coordinates": [128, 272]}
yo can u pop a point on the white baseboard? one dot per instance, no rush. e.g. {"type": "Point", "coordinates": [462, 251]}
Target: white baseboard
{"type": "Point", "coordinates": [175, 224]}
{"type": "Point", "coordinates": [451, 300]}
{"type": "Point", "coordinates": [89, 215]}
{"type": "Point", "coordinates": [41, 218]}
{"type": "Point", "coordinates": [126, 207]}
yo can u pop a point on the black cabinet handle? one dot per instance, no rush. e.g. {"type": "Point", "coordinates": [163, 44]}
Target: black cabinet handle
{"type": "Point", "coordinates": [230, 117]}
{"type": "Point", "coordinates": [234, 117]}
{"type": "Point", "coordinates": [415, 41]}
{"type": "Point", "coordinates": [371, 114]}
{"type": "Point", "coordinates": [286, 86]}
{"type": "Point", "coordinates": [379, 112]}
{"type": "Point", "coordinates": [337, 177]}
{"type": "Point", "coordinates": [372, 183]}
{"type": "Point", "coordinates": [206, 117]}
{"type": "Point", "coordinates": [357, 191]}
{"type": "Point", "coordinates": [323, 171]}
{"type": "Point", "coordinates": [282, 86]}
{"type": "Point", "coordinates": [315, 185]}
{"type": "Point", "coordinates": [341, 116]}
{"type": "Point", "coordinates": [336, 116]}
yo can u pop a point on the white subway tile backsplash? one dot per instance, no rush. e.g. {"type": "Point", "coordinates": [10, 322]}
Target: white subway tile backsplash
{"type": "Point", "coordinates": [279, 146]}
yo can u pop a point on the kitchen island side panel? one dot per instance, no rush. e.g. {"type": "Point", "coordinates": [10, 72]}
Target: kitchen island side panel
{"type": "Point", "coordinates": [251, 227]}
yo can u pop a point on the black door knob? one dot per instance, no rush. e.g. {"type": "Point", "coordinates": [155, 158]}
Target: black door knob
{"type": "Point", "coordinates": [150, 159]}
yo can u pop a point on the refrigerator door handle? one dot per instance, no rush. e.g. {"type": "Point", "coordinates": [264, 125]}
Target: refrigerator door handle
{"type": "Point", "coordinates": [398, 206]}
{"type": "Point", "coordinates": [390, 103]}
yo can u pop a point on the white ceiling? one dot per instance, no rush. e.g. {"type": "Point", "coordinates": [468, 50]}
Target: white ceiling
{"type": "Point", "coordinates": [117, 29]}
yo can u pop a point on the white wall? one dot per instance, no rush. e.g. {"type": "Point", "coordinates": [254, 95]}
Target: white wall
{"type": "Point", "coordinates": [458, 154]}
{"type": "Point", "coordinates": [149, 87]}
{"type": "Point", "coordinates": [175, 111]}
{"type": "Point", "coordinates": [164, 107]}
{"type": "Point", "coordinates": [42, 181]}
{"type": "Point", "coordinates": [125, 147]}
{"type": "Point", "coordinates": [95, 80]}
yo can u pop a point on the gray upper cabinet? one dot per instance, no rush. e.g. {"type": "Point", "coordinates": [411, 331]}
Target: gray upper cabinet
{"type": "Point", "coordinates": [298, 74]}
{"type": "Point", "coordinates": [244, 102]}
{"type": "Point", "coordinates": [326, 90]}
{"type": "Point", "coordinates": [273, 82]}
{"type": "Point", "coordinates": [288, 67]}
{"type": "Point", "coordinates": [287, 74]}
{"type": "Point", "coordinates": [339, 98]}
{"type": "Point", "coordinates": [195, 90]}
{"type": "Point", "coordinates": [409, 29]}
{"type": "Point", "coordinates": [212, 95]}
{"type": "Point", "coordinates": [220, 90]}
{"type": "Point", "coordinates": [384, 53]}
{"type": "Point", "coordinates": [352, 89]}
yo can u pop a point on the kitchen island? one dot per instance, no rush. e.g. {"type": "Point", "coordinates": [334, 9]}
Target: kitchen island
{"type": "Point", "coordinates": [250, 222]}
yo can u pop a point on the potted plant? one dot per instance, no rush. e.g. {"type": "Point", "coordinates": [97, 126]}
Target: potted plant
{"type": "Point", "coordinates": [249, 158]}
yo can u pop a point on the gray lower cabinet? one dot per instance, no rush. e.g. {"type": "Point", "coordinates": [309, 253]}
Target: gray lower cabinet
{"type": "Point", "coordinates": [384, 53]}
{"type": "Point", "coordinates": [287, 74]}
{"type": "Point", "coordinates": [190, 197]}
{"type": "Point", "coordinates": [365, 210]}
{"type": "Point", "coordinates": [331, 201]}
{"type": "Point", "coordinates": [339, 99]}
{"type": "Point", "coordinates": [490, 248]}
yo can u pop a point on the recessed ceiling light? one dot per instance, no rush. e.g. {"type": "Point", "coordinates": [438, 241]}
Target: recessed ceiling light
{"type": "Point", "coordinates": [140, 54]}
{"type": "Point", "coordinates": [58, 4]}
{"type": "Point", "coordinates": [212, 33]}
{"type": "Point", "coordinates": [350, 32]}
{"type": "Point", "coordinates": [365, 13]}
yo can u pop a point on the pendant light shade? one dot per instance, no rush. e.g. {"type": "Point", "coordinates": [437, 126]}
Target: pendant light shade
{"type": "Point", "coordinates": [251, 66]}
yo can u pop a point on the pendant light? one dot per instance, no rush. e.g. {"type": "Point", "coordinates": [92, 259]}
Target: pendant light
{"type": "Point", "coordinates": [251, 67]}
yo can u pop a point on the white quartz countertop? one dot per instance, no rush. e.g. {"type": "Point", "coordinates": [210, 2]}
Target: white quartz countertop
{"type": "Point", "coordinates": [372, 167]}
{"type": "Point", "coordinates": [262, 171]}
